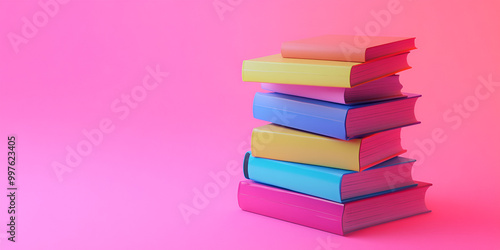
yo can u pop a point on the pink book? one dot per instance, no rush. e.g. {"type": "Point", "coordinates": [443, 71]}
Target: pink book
{"type": "Point", "coordinates": [331, 216]}
{"type": "Point", "coordinates": [346, 47]}
{"type": "Point", "coordinates": [377, 90]}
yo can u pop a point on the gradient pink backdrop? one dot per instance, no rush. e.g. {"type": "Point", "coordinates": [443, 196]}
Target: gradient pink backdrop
{"type": "Point", "coordinates": [126, 193]}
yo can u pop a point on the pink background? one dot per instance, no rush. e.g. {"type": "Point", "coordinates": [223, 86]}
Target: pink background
{"type": "Point", "coordinates": [126, 193]}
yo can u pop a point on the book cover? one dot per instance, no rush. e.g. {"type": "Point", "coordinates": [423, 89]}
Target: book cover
{"type": "Point", "coordinates": [276, 69]}
{"type": "Point", "coordinates": [333, 119]}
{"type": "Point", "coordinates": [346, 47]}
{"type": "Point", "coordinates": [330, 216]}
{"type": "Point", "coordinates": [333, 184]}
{"type": "Point", "coordinates": [281, 143]}
{"type": "Point", "coordinates": [381, 89]}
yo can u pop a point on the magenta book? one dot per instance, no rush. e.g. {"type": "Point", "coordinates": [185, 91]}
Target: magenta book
{"type": "Point", "coordinates": [333, 217]}
{"type": "Point", "coordinates": [377, 90]}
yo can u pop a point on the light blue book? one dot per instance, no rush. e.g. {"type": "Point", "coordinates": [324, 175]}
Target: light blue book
{"type": "Point", "coordinates": [333, 184]}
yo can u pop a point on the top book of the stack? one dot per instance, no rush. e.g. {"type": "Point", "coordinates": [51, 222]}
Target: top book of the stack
{"type": "Point", "coordinates": [347, 48]}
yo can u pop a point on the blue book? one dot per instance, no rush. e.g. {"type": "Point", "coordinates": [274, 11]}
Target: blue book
{"type": "Point", "coordinates": [331, 183]}
{"type": "Point", "coordinates": [340, 121]}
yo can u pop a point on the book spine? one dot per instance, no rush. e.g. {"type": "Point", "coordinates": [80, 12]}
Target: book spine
{"type": "Point", "coordinates": [285, 144]}
{"type": "Point", "coordinates": [330, 94]}
{"type": "Point", "coordinates": [291, 206]}
{"type": "Point", "coordinates": [291, 72]}
{"type": "Point", "coordinates": [300, 113]}
{"type": "Point", "coordinates": [307, 179]}
{"type": "Point", "coordinates": [339, 52]}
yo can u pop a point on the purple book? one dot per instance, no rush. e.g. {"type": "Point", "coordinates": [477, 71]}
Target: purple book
{"type": "Point", "coordinates": [382, 89]}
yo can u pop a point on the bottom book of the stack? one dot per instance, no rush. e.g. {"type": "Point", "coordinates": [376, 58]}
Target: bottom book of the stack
{"type": "Point", "coordinates": [338, 218]}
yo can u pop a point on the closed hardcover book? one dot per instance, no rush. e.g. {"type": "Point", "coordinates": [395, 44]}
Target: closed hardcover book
{"type": "Point", "coordinates": [330, 183]}
{"type": "Point", "coordinates": [332, 119]}
{"type": "Point", "coordinates": [330, 216]}
{"type": "Point", "coordinates": [381, 89]}
{"type": "Point", "coordinates": [346, 47]}
{"type": "Point", "coordinates": [276, 69]}
{"type": "Point", "coordinates": [286, 144]}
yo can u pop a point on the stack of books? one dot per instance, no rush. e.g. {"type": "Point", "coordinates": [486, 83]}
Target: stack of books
{"type": "Point", "coordinates": [329, 158]}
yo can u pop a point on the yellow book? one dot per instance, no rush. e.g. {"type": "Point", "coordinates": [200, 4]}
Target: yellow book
{"type": "Point", "coordinates": [276, 69]}
{"type": "Point", "coordinates": [281, 143]}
